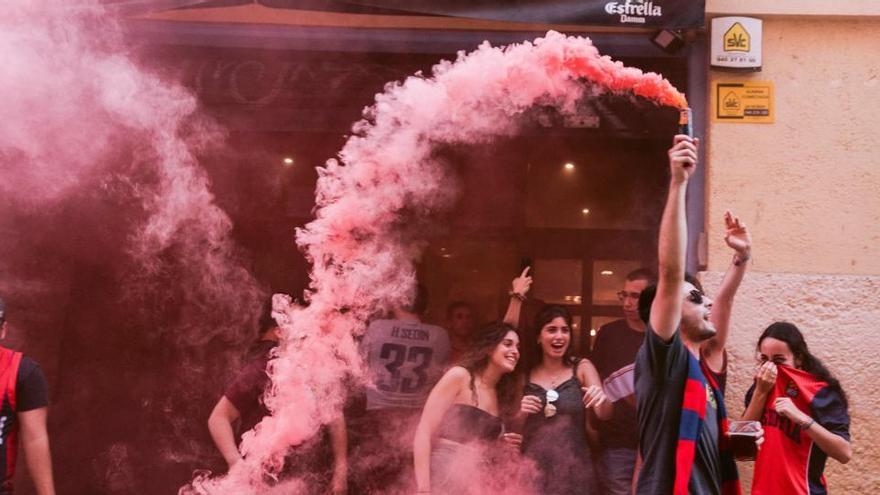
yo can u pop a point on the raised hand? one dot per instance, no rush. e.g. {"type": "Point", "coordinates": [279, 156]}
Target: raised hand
{"type": "Point", "coordinates": [523, 283]}
{"type": "Point", "coordinates": [683, 158]}
{"type": "Point", "coordinates": [737, 235]}
{"type": "Point", "coordinates": [594, 396]}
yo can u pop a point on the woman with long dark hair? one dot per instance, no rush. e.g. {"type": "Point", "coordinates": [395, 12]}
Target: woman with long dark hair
{"type": "Point", "coordinates": [463, 414]}
{"type": "Point", "coordinates": [559, 390]}
{"type": "Point", "coordinates": [804, 412]}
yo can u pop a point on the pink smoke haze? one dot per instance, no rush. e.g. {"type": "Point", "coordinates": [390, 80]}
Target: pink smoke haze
{"type": "Point", "coordinates": [98, 160]}
{"type": "Point", "coordinates": [377, 202]}
{"type": "Point", "coordinates": [79, 113]}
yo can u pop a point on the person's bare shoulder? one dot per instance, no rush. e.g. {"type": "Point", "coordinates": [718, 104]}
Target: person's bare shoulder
{"type": "Point", "coordinates": [458, 373]}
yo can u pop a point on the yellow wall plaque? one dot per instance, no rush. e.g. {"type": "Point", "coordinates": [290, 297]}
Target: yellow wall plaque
{"type": "Point", "coordinates": [743, 102]}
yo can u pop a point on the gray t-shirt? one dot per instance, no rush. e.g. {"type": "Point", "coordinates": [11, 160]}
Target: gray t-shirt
{"type": "Point", "coordinates": [405, 360]}
{"type": "Point", "coordinates": [660, 377]}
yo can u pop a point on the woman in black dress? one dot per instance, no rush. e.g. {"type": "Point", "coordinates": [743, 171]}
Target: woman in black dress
{"type": "Point", "coordinates": [461, 423]}
{"type": "Point", "coordinates": [559, 390]}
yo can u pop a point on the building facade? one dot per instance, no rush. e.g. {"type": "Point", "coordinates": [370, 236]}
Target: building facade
{"type": "Point", "coordinates": [808, 186]}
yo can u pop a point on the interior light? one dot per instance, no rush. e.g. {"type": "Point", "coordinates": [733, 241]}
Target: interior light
{"type": "Point", "coordinates": [607, 272]}
{"type": "Point", "coordinates": [592, 332]}
{"type": "Point", "coordinates": [569, 166]}
{"type": "Point", "coordinates": [288, 160]}
{"type": "Point", "coordinates": [585, 211]}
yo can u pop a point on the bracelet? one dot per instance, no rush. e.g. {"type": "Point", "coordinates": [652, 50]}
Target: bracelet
{"type": "Point", "coordinates": [740, 259]}
{"type": "Point", "coordinates": [517, 295]}
{"type": "Point", "coordinates": [807, 426]}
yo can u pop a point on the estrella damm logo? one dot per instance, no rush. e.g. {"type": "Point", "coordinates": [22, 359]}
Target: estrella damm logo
{"type": "Point", "coordinates": [737, 39]}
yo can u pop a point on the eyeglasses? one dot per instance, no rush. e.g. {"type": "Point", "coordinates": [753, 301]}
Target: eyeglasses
{"type": "Point", "coordinates": [624, 295]}
{"type": "Point", "coordinates": [696, 297]}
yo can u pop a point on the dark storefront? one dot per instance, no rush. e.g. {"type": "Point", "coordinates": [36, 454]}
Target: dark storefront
{"type": "Point", "coordinates": [292, 89]}
{"type": "Point", "coordinates": [580, 198]}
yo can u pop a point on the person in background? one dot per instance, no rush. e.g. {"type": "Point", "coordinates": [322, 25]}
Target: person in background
{"type": "Point", "coordinates": [241, 408]}
{"type": "Point", "coordinates": [614, 355]}
{"type": "Point", "coordinates": [404, 358]}
{"type": "Point", "coordinates": [804, 412]}
{"type": "Point", "coordinates": [23, 414]}
{"type": "Point", "coordinates": [461, 321]}
{"type": "Point", "coordinates": [559, 390]}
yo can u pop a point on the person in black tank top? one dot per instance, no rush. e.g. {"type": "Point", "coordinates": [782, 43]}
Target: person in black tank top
{"type": "Point", "coordinates": [461, 426]}
{"type": "Point", "coordinates": [558, 392]}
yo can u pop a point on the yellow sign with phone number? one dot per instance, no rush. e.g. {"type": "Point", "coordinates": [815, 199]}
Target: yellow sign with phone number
{"type": "Point", "coordinates": [743, 102]}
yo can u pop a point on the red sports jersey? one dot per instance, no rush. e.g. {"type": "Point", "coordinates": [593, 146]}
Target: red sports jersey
{"type": "Point", "coordinates": [789, 463]}
{"type": "Point", "coordinates": [9, 364]}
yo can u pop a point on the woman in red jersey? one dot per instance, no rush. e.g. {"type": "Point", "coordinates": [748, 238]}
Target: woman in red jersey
{"type": "Point", "coordinates": [804, 412]}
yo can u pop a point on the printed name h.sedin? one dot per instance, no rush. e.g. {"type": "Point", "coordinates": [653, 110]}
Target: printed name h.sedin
{"type": "Point", "coordinates": [410, 333]}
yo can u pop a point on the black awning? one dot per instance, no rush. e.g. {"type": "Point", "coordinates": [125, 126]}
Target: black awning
{"type": "Point", "coordinates": [672, 14]}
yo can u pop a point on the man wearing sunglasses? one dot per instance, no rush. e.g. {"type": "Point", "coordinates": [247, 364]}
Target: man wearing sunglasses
{"type": "Point", "coordinates": [680, 369]}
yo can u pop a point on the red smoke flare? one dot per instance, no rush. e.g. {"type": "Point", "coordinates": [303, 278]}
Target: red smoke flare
{"type": "Point", "coordinates": [373, 206]}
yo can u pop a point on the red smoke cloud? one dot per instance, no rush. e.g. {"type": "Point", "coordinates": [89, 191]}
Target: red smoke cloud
{"type": "Point", "coordinates": [80, 114]}
{"type": "Point", "coordinates": [377, 201]}
{"type": "Point", "coordinates": [98, 168]}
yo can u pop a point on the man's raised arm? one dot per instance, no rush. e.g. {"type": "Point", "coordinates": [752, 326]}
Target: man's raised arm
{"type": "Point", "coordinates": [672, 245]}
{"type": "Point", "coordinates": [737, 238]}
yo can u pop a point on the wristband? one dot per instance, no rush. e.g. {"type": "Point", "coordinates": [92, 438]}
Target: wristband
{"type": "Point", "coordinates": [808, 424]}
{"type": "Point", "coordinates": [739, 259]}
{"type": "Point", "coordinates": [517, 295]}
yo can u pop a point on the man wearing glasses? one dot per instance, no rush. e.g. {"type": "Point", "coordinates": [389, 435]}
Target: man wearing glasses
{"type": "Point", "coordinates": [680, 370]}
{"type": "Point", "coordinates": [614, 355]}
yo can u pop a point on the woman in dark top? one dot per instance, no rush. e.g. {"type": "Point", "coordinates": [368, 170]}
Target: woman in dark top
{"type": "Point", "coordinates": [804, 412]}
{"type": "Point", "coordinates": [558, 391]}
{"type": "Point", "coordinates": [463, 415]}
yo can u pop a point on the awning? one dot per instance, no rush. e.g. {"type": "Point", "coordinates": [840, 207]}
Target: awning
{"type": "Point", "coordinates": [654, 14]}
{"type": "Point", "coordinates": [630, 13]}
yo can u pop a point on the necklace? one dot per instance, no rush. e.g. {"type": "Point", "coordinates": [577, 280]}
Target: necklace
{"type": "Point", "coordinates": [557, 379]}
